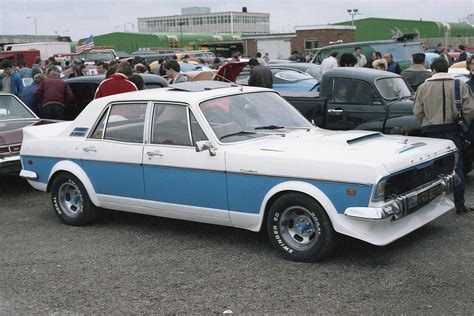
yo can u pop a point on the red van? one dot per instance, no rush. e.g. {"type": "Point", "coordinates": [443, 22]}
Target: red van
{"type": "Point", "coordinates": [26, 56]}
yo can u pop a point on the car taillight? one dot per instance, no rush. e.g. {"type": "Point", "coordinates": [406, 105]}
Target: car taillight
{"type": "Point", "coordinates": [15, 148]}
{"type": "Point", "coordinates": [4, 150]}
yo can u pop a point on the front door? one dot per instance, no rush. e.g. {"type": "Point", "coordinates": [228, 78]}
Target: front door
{"type": "Point", "coordinates": [187, 183]}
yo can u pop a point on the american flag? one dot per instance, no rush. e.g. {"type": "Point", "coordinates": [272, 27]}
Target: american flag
{"type": "Point", "coordinates": [88, 44]}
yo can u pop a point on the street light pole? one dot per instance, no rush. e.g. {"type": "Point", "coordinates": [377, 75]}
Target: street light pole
{"type": "Point", "coordinates": [181, 33]}
{"type": "Point", "coordinates": [352, 12]}
{"type": "Point", "coordinates": [34, 19]}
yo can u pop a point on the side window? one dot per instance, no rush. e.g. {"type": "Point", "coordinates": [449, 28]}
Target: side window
{"type": "Point", "coordinates": [99, 130]}
{"type": "Point", "coordinates": [364, 93]}
{"type": "Point", "coordinates": [352, 91]}
{"type": "Point", "coordinates": [123, 122]}
{"type": "Point", "coordinates": [170, 125]}
{"type": "Point", "coordinates": [341, 90]}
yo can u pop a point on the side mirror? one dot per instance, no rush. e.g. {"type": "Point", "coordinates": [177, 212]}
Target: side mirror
{"type": "Point", "coordinates": [205, 145]}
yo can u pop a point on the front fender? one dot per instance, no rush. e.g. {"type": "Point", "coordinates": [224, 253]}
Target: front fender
{"type": "Point", "coordinates": [255, 224]}
{"type": "Point", "coordinates": [75, 169]}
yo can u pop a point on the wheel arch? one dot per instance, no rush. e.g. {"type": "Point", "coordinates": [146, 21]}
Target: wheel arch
{"type": "Point", "coordinates": [74, 169]}
{"type": "Point", "coordinates": [296, 187]}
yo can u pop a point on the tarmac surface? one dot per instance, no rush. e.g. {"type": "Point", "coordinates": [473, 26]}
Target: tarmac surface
{"type": "Point", "coordinates": [136, 264]}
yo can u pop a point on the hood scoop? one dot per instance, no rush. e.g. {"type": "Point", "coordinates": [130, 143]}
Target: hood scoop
{"type": "Point", "coordinates": [363, 137]}
{"type": "Point", "coordinates": [410, 146]}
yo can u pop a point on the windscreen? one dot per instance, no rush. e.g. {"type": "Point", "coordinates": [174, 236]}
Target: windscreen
{"type": "Point", "coordinates": [253, 115]}
{"type": "Point", "coordinates": [12, 108]}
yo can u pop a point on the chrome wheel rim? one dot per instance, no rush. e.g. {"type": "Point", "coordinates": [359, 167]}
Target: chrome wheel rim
{"type": "Point", "coordinates": [299, 228]}
{"type": "Point", "coordinates": [70, 199]}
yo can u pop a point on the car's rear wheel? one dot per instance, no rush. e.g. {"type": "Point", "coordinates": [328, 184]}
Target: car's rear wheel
{"type": "Point", "coordinates": [71, 201]}
{"type": "Point", "coordinates": [299, 228]}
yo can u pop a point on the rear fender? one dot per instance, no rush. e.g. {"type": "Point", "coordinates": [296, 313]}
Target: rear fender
{"type": "Point", "coordinates": [75, 169]}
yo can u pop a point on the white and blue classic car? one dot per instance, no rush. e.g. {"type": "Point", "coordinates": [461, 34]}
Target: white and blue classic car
{"type": "Point", "coordinates": [242, 157]}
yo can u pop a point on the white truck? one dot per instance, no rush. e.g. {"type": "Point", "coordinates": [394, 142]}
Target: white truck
{"type": "Point", "coordinates": [46, 49]}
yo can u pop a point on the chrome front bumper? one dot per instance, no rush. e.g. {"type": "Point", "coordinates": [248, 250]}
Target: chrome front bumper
{"type": "Point", "coordinates": [404, 204]}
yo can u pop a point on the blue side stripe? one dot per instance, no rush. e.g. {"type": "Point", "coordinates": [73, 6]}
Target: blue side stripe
{"type": "Point", "coordinates": [201, 188]}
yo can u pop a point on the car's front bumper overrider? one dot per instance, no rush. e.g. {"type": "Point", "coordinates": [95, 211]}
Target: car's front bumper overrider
{"type": "Point", "coordinates": [403, 204]}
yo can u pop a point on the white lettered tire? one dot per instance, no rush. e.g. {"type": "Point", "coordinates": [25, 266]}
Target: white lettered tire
{"type": "Point", "coordinates": [70, 200]}
{"type": "Point", "coordinates": [299, 228]}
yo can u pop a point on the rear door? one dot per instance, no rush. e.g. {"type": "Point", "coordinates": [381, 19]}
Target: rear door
{"type": "Point", "coordinates": [112, 154]}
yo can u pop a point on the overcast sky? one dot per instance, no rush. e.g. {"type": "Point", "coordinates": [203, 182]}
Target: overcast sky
{"type": "Point", "coordinates": [80, 18]}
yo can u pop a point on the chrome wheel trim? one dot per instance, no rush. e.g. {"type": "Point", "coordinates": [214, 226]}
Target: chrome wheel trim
{"type": "Point", "coordinates": [70, 199]}
{"type": "Point", "coordinates": [299, 228]}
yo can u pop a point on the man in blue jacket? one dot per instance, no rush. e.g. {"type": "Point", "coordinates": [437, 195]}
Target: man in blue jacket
{"type": "Point", "coordinates": [10, 81]}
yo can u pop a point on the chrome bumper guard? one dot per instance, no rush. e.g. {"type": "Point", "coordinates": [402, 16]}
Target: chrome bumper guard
{"type": "Point", "coordinates": [404, 204]}
{"type": "Point", "coordinates": [28, 175]}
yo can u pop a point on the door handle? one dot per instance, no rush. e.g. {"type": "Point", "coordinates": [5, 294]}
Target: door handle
{"type": "Point", "coordinates": [154, 153]}
{"type": "Point", "coordinates": [335, 111]}
{"type": "Point", "coordinates": [90, 149]}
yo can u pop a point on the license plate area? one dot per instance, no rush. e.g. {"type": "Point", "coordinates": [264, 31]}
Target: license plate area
{"type": "Point", "coordinates": [429, 195]}
{"type": "Point", "coordinates": [424, 198]}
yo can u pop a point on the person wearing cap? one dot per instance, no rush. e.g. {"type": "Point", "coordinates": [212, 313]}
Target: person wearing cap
{"type": "Point", "coordinates": [417, 73]}
{"type": "Point", "coordinates": [260, 76]}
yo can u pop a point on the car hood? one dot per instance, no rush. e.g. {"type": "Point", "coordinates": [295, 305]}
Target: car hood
{"type": "Point", "coordinates": [348, 156]}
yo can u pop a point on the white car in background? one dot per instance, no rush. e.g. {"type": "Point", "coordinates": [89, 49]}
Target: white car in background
{"type": "Point", "coordinates": [243, 157]}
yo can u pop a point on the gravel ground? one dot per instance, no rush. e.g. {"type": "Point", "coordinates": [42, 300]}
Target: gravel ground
{"type": "Point", "coordinates": [136, 264]}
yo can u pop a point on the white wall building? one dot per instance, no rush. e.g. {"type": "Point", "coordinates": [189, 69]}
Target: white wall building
{"type": "Point", "coordinates": [203, 21]}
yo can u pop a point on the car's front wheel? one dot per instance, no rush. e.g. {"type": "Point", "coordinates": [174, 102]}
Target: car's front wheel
{"type": "Point", "coordinates": [299, 228]}
{"type": "Point", "coordinates": [71, 201]}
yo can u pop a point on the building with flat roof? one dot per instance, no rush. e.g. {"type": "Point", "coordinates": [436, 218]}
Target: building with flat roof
{"type": "Point", "coordinates": [203, 21]}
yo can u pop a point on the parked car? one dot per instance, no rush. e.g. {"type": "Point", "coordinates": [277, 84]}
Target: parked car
{"type": "Point", "coordinates": [459, 70]}
{"type": "Point", "coordinates": [285, 81]}
{"type": "Point", "coordinates": [429, 58]}
{"type": "Point", "coordinates": [14, 115]}
{"type": "Point", "coordinates": [106, 55]}
{"type": "Point", "coordinates": [402, 49]}
{"type": "Point", "coordinates": [307, 68]}
{"type": "Point", "coordinates": [372, 100]}
{"type": "Point", "coordinates": [84, 88]}
{"type": "Point", "coordinates": [243, 157]}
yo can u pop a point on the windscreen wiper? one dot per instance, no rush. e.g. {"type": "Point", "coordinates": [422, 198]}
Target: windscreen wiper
{"type": "Point", "coordinates": [241, 133]}
{"type": "Point", "coordinates": [271, 127]}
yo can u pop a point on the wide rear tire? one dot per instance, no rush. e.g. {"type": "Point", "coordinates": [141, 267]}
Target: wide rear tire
{"type": "Point", "coordinates": [70, 200]}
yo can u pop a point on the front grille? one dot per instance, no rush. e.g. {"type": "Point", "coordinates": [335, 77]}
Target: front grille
{"type": "Point", "coordinates": [415, 177]}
